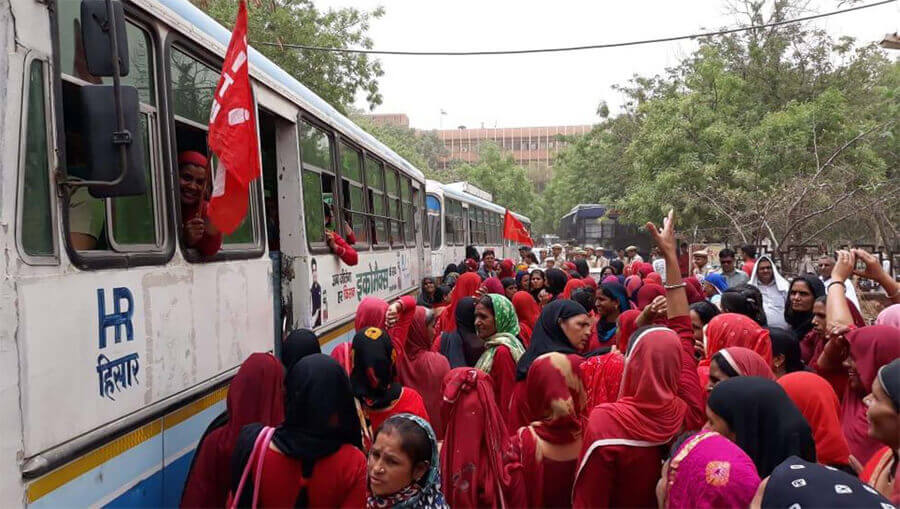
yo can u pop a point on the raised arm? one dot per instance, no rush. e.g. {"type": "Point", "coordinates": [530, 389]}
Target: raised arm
{"type": "Point", "coordinates": [837, 312]}
{"type": "Point", "coordinates": [876, 273]}
{"type": "Point", "coordinates": [676, 297]}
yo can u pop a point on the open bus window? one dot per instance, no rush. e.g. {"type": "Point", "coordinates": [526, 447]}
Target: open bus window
{"type": "Point", "coordinates": [132, 223]}
{"type": "Point", "coordinates": [193, 86]}
{"type": "Point", "coordinates": [318, 182]}
{"type": "Point", "coordinates": [353, 193]}
{"type": "Point", "coordinates": [377, 207]}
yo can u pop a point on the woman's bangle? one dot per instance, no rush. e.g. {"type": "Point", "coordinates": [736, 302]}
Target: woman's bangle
{"type": "Point", "coordinates": [676, 286]}
{"type": "Point", "coordinates": [835, 283]}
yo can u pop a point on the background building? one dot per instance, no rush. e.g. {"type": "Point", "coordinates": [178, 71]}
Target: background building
{"type": "Point", "coordinates": [531, 147]}
{"type": "Point", "coordinates": [391, 119]}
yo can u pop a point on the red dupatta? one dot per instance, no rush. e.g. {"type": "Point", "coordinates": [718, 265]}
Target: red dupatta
{"type": "Point", "coordinates": [255, 394]}
{"type": "Point", "coordinates": [647, 293]}
{"type": "Point", "coordinates": [732, 329]}
{"type": "Point", "coordinates": [466, 286]}
{"type": "Point", "coordinates": [746, 362]}
{"type": "Point", "coordinates": [818, 402]}
{"type": "Point", "coordinates": [870, 347]}
{"type": "Point", "coordinates": [571, 286]}
{"type": "Point", "coordinates": [555, 406]}
{"type": "Point", "coordinates": [626, 324]}
{"type": "Point", "coordinates": [602, 376]}
{"type": "Point", "coordinates": [423, 370]}
{"type": "Point", "coordinates": [471, 456]}
{"type": "Point", "coordinates": [648, 412]}
{"type": "Point", "coordinates": [370, 313]}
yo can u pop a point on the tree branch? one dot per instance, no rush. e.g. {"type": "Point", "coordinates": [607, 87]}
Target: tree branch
{"type": "Point", "coordinates": [726, 214]}
{"type": "Point", "coordinates": [853, 212]}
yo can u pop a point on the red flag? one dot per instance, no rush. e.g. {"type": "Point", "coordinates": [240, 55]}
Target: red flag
{"type": "Point", "coordinates": [232, 133]}
{"type": "Point", "coordinates": [514, 230]}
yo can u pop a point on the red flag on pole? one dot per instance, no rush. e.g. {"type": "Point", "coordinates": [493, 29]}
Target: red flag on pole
{"type": "Point", "coordinates": [514, 230]}
{"type": "Point", "coordinates": [232, 133]}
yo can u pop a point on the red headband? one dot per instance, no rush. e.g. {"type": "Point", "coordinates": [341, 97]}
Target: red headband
{"type": "Point", "coordinates": [192, 157]}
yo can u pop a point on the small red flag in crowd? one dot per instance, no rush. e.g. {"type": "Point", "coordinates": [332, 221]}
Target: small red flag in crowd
{"type": "Point", "coordinates": [514, 230]}
{"type": "Point", "coordinates": [232, 133]}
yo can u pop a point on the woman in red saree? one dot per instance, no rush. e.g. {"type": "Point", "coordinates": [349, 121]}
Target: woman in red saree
{"type": "Point", "coordinates": [256, 394]}
{"type": "Point", "coordinates": [571, 286]}
{"type": "Point", "coordinates": [736, 361]}
{"type": "Point", "coordinates": [623, 441]}
{"type": "Point", "coordinates": [394, 318]}
{"type": "Point", "coordinates": [602, 379]}
{"type": "Point", "coordinates": [548, 447]}
{"type": "Point", "coordinates": [466, 286]}
{"type": "Point", "coordinates": [818, 402]}
{"type": "Point", "coordinates": [884, 420]}
{"type": "Point", "coordinates": [423, 370]}
{"type": "Point", "coordinates": [471, 456]}
{"type": "Point", "coordinates": [315, 457]}
{"type": "Point", "coordinates": [528, 312]}
{"type": "Point", "coordinates": [731, 329]}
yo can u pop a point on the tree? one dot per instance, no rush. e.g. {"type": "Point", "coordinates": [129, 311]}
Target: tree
{"type": "Point", "coordinates": [779, 133]}
{"type": "Point", "coordinates": [423, 149]}
{"type": "Point", "coordinates": [335, 77]}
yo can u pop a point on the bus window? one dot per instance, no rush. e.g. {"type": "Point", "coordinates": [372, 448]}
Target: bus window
{"type": "Point", "coordinates": [392, 188]}
{"type": "Point", "coordinates": [409, 222]}
{"type": "Point", "coordinates": [450, 226]}
{"type": "Point", "coordinates": [132, 223]}
{"type": "Point", "coordinates": [318, 182]}
{"type": "Point", "coordinates": [433, 206]}
{"type": "Point", "coordinates": [353, 193]}
{"type": "Point", "coordinates": [193, 86]}
{"type": "Point", "coordinates": [36, 224]}
{"type": "Point", "coordinates": [375, 186]}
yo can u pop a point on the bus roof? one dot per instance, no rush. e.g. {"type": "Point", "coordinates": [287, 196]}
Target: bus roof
{"type": "Point", "coordinates": [309, 100]}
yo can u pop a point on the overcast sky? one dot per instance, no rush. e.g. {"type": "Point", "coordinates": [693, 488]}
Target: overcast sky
{"type": "Point", "coordinates": [551, 89]}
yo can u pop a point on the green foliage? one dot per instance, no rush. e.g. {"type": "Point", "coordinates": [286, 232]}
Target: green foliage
{"type": "Point", "coordinates": [782, 133]}
{"type": "Point", "coordinates": [423, 149]}
{"type": "Point", "coordinates": [336, 77]}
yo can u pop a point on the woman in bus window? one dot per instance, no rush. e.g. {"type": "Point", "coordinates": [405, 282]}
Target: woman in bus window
{"type": "Point", "coordinates": [197, 230]}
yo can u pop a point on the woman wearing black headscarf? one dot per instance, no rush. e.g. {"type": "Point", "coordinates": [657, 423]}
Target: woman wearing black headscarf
{"type": "Point", "coordinates": [327, 438]}
{"type": "Point", "coordinates": [581, 266]}
{"type": "Point", "coordinates": [556, 283]}
{"type": "Point", "coordinates": [298, 344]}
{"type": "Point", "coordinates": [463, 347]}
{"type": "Point", "coordinates": [757, 415]}
{"type": "Point", "coordinates": [373, 378]}
{"type": "Point", "coordinates": [798, 306]}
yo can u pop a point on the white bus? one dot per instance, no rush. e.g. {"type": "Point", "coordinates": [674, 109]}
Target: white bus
{"type": "Point", "coordinates": [116, 339]}
{"type": "Point", "coordinates": [461, 215]}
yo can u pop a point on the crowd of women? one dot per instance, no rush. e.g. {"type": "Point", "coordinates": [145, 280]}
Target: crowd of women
{"type": "Point", "coordinates": [542, 388]}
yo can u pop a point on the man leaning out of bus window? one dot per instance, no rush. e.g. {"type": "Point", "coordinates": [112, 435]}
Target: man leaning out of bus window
{"type": "Point", "coordinates": [197, 230]}
{"type": "Point", "coordinates": [342, 248]}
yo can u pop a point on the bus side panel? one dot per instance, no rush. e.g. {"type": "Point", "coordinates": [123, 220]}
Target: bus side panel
{"type": "Point", "coordinates": [336, 289]}
{"type": "Point", "coordinates": [97, 346]}
{"type": "Point", "coordinates": [145, 468]}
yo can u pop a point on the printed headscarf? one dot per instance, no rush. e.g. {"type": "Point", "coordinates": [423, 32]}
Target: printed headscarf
{"type": "Point", "coordinates": [507, 325]}
{"type": "Point", "coordinates": [373, 371]}
{"type": "Point", "coordinates": [708, 471]}
{"type": "Point", "coordinates": [422, 494]}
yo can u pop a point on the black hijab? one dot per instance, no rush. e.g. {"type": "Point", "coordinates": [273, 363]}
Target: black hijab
{"type": "Point", "coordinates": [801, 323]}
{"type": "Point", "coordinates": [582, 267]}
{"type": "Point", "coordinates": [766, 423]}
{"type": "Point", "coordinates": [784, 342]}
{"type": "Point", "coordinates": [298, 344]}
{"type": "Point", "coordinates": [463, 347]}
{"type": "Point", "coordinates": [799, 483]}
{"type": "Point", "coordinates": [889, 377]}
{"type": "Point", "coordinates": [547, 335]}
{"type": "Point", "coordinates": [320, 417]}
{"type": "Point", "coordinates": [372, 377]}
{"type": "Point", "coordinates": [555, 281]}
